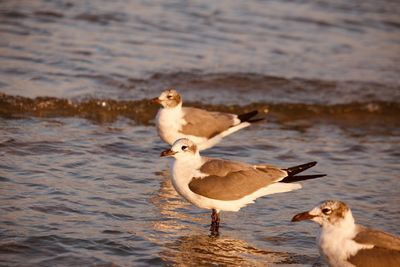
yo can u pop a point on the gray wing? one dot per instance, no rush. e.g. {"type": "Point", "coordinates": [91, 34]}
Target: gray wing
{"type": "Point", "coordinates": [205, 123]}
{"type": "Point", "coordinates": [229, 180]}
{"type": "Point", "coordinates": [386, 250]}
{"type": "Point", "coordinates": [376, 257]}
{"type": "Point", "coordinates": [377, 238]}
{"type": "Point", "coordinates": [220, 167]}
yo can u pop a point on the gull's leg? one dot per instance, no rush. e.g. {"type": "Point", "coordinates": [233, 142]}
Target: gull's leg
{"type": "Point", "coordinates": [215, 219]}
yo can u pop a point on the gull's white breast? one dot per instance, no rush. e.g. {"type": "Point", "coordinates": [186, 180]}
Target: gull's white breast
{"type": "Point", "coordinates": [336, 242]}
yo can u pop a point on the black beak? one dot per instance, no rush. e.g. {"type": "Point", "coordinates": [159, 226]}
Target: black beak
{"type": "Point", "coordinates": [155, 100]}
{"type": "Point", "coordinates": [302, 216]}
{"type": "Point", "coordinates": [167, 153]}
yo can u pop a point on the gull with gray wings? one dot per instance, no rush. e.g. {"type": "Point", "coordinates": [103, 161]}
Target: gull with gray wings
{"type": "Point", "coordinates": [203, 127]}
{"type": "Point", "coordinates": [219, 184]}
{"type": "Point", "coordinates": [343, 243]}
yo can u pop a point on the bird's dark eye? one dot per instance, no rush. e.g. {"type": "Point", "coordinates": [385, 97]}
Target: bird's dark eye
{"type": "Point", "coordinates": [184, 147]}
{"type": "Point", "coordinates": [169, 96]}
{"type": "Point", "coordinates": [326, 211]}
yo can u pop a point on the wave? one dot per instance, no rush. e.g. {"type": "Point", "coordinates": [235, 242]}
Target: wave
{"type": "Point", "coordinates": [143, 111]}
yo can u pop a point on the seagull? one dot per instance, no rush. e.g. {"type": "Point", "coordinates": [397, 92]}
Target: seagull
{"type": "Point", "coordinates": [204, 127]}
{"type": "Point", "coordinates": [344, 243]}
{"type": "Point", "coordinates": [222, 185]}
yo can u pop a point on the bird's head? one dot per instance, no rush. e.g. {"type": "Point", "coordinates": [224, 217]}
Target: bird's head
{"type": "Point", "coordinates": [182, 148]}
{"type": "Point", "coordinates": [169, 98]}
{"type": "Point", "coordinates": [329, 213]}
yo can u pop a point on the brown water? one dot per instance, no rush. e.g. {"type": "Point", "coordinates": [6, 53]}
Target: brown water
{"type": "Point", "coordinates": [81, 181]}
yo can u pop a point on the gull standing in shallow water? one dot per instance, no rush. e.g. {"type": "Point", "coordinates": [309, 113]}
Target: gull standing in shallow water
{"type": "Point", "coordinates": [343, 243]}
{"type": "Point", "coordinates": [203, 127]}
{"type": "Point", "coordinates": [218, 184]}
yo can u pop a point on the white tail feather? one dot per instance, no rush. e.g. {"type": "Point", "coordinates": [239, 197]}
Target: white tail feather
{"type": "Point", "coordinates": [216, 139]}
{"type": "Point", "coordinates": [279, 188]}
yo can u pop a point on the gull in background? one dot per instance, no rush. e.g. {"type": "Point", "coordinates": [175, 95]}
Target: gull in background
{"type": "Point", "coordinates": [218, 184]}
{"type": "Point", "coordinates": [343, 243]}
{"type": "Point", "coordinates": [203, 127]}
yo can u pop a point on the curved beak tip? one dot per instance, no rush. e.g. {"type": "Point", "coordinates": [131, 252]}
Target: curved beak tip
{"type": "Point", "coordinates": [155, 100]}
{"type": "Point", "coordinates": [167, 153]}
{"type": "Point", "coordinates": [302, 217]}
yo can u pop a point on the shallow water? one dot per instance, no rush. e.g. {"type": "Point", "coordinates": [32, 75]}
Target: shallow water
{"type": "Point", "coordinates": [74, 192]}
{"type": "Point", "coordinates": [81, 180]}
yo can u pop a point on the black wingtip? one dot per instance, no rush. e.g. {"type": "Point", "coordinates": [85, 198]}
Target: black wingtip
{"type": "Point", "coordinates": [300, 168]}
{"type": "Point", "coordinates": [248, 116]}
{"type": "Point", "coordinates": [292, 171]}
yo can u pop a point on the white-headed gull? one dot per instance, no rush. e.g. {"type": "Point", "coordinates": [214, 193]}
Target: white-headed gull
{"type": "Point", "coordinates": [218, 184]}
{"type": "Point", "coordinates": [203, 127]}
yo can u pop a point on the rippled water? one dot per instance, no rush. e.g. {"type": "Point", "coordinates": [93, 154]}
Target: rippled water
{"type": "Point", "coordinates": [81, 181]}
{"type": "Point", "coordinates": [75, 48]}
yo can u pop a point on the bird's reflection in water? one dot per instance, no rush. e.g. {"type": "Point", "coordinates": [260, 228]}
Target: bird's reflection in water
{"type": "Point", "coordinates": [203, 250]}
{"type": "Point", "coordinates": [175, 212]}
{"type": "Point", "coordinates": [176, 215]}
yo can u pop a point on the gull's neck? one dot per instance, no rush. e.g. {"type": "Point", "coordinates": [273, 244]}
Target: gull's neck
{"type": "Point", "coordinates": [346, 226]}
{"type": "Point", "coordinates": [193, 161]}
{"type": "Point", "coordinates": [177, 108]}
{"type": "Point", "coordinates": [184, 168]}
{"type": "Point", "coordinates": [336, 242]}
{"type": "Point", "coordinates": [170, 114]}
{"type": "Point", "coordinates": [169, 122]}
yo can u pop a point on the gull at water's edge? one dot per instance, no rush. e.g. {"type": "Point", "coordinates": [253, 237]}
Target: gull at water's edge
{"type": "Point", "coordinates": [222, 185]}
{"type": "Point", "coordinates": [203, 127]}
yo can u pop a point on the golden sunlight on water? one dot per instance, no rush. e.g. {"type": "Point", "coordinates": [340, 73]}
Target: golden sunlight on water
{"type": "Point", "coordinates": [81, 180]}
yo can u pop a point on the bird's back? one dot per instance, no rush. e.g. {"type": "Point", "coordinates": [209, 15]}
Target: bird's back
{"type": "Point", "coordinates": [386, 250]}
{"type": "Point", "coordinates": [204, 123]}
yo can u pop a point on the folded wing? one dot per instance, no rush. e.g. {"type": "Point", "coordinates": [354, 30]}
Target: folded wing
{"type": "Point", "coordinates": [386, 250]}
{"type": "Point", "coordinates": [227, 180]}
{"type": "Point", "coordinates": [207, 124]}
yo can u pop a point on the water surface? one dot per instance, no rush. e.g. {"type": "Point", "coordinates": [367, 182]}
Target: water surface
{"type": "Point", "coordinates": [81, 181]}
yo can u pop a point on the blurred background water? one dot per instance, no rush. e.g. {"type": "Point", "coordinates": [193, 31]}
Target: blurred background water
{"type": "Point", "coordinates": [81, 181]}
